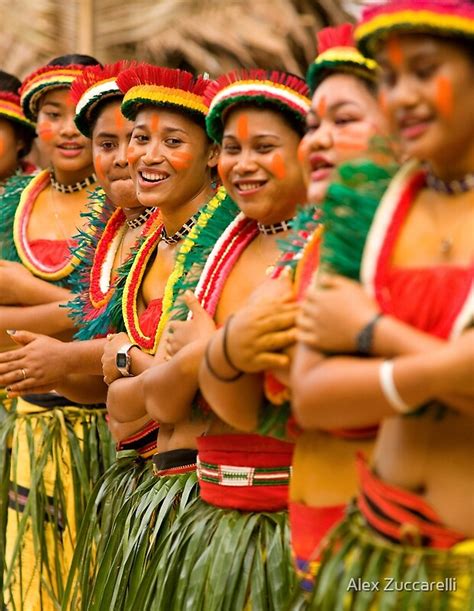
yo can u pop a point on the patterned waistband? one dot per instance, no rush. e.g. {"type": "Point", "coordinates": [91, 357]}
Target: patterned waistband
{"type": "Point", "coordinates": [143, 442]}
{"type": "Point", "coordinates": [174, 462]}
{"type": "Point", "coordinates": [400, 515]}
{"type": "Point", "coordinates": [244, 472]}
{"type": "Point", "coordinates": [232, 475]}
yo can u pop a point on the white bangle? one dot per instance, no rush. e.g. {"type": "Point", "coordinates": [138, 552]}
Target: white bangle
{"type": "Point", "coordinates": [389, 389]}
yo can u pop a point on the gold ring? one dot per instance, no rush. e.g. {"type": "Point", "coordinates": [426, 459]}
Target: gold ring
{"type": "Point", "coordinates": [23, 373]}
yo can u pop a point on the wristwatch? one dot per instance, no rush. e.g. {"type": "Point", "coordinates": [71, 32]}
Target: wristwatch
{"type": "Point", "coordinates": [123, 360]}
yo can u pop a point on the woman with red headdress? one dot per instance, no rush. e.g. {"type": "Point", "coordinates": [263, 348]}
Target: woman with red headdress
{"type": "Point", "coordinates": [52, 463]}
{"type": "Point", "coordinates": [408, 538]}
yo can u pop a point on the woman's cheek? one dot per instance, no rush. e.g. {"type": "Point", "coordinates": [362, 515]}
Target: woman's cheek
{"type": "Point", "coordinates": [278, 166]}
{"type": "Point", "coordinates": [45, 131]}
{"type": "Point", "coordinates": [133, 155]}
{"type": "Point", "coordinates": [181, 160]}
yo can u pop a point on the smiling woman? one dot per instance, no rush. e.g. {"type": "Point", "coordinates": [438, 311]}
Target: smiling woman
{"type": "Point", "coordinates": [40, 217]}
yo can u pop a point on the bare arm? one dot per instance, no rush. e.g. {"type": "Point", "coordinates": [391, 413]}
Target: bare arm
{"type": "Point", "coordinates": [85, 389]}
{"type": "Point", "coordinates": [345, 392]}
{"type": "Point", "coordinates": [49, 319]}
{"type": "Point", "coordinates": [170, 387]}
{"type": "Point", "coordinates": [237, 403]}
{"type": "Point", "coordinates": [126, 400]}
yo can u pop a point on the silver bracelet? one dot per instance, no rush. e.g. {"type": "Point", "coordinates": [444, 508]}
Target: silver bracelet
{"type": "Point", "coordinates": [389, 390]}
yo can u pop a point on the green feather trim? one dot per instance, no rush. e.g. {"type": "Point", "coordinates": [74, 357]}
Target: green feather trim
{"type": "Point", "coordinates": [9, 201]}
{"type": "Point", "coordinates": [348, 212]}
{"type": "Point", "coordinates": [204, 241]}
{"type": "Point", "coordinates": [92, 322]}
{"type": "Point", "coordinates": [304, 224]}
{"type": "Point", "coordinates": [355, 552]}
{"type": "Point", "coordinates": [213, 559]}
{"type": "Point", "coordinates": [8, 205]}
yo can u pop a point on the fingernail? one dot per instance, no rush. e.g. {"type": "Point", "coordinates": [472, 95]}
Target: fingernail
{"type": "Point", "coordinates": [11, 331]}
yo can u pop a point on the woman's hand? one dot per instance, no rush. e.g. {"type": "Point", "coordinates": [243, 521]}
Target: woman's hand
{"type": "Point", "coordinates": [333, 313]}
{"type": "Point", "coordinates": [13, 277]}
{"type": "Point", "coordinates": [109, 357]}
{"type": "Point", "coordinates": [182, 332]}
{"type": "Point", "coordinates": [38, 365]}
{"type": "Point", "coordinates": [258, 334]}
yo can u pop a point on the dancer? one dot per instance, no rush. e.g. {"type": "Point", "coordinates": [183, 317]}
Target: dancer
{"type": "Point", "coordinates": [413, 517]}
{"type": "Point", "coordinates": [171, 160]}
{"type": "Point", "coordinates": [258, 118]}
{"type": "Point", "coordinates": [49, 454]}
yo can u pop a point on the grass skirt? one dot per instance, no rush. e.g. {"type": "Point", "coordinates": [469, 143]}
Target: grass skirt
{"type": "Point", "coordinates": [57, 454]}
{"type": "Point", "coordinates": [130, 512]}
{"type": "Point", "coordinates": [220, 559]}
{"type": "Point", "coordinates": [355, 552]}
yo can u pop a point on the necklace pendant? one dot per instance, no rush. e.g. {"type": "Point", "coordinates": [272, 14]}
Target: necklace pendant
{"type": "Point", "coordinates": [446, 247]}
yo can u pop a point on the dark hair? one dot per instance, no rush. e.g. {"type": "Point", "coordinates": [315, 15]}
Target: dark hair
{"type": "Point", "coordinates": [74, 58]}
{"type": "Point", "coordinates": [9, 82]}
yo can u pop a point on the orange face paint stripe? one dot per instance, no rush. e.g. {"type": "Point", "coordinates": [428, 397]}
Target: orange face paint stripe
{"type": "Point", "coordinates": [278, 166]}
{"type": "Point", "coordinates": [444, 96]}
{"type": "Point", "coordinates": [243, 127]}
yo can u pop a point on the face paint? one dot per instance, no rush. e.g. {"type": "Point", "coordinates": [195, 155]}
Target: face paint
{"type": "Point", "coordinates": [154, 122]}
{"type": "Point", "coordinates": [118, 118]}
{"type": "Point", "coordinates": [278, 166]}
{"type": "Point", "coordinates": [394, 52]}
{"type": "Point", "coordinates": [132, 155]}
{"type": "Point", "coordinates": [2, 146]}
{"type": "Point", "coordinates": [243, 127]}
{"type": "Point", "coordinates": [444, 96]}
{"type": "Point", "coordinates": [301, 153]}
{"type": "Point", "coordinates": [322, 106]}
{"type": "Point", "coordinates": [181, 160]}
{"type": "Point", "coordinates": [98, 166]}
{"type": "Point", "coordinates": [45, 132]}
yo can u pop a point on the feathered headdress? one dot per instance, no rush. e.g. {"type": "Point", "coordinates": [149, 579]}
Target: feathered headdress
{"type": "Point", "coordinates": [10, 109]}
{"type": "Point", "coordinates": [451, 18]}
{"type": "Point", "coordinates": [337, 52]}
{"type": "Point", "coordinates": [43, 80]}
{"type": "Point", "coordinates": [148, 85]}
{"type": "Point", "coordinates": [262, 88]}
{"type": "Point", "coordinates": [92, 86]}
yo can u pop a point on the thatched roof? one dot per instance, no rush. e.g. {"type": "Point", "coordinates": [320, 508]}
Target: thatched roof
{"type": "Point", "coordinates": [207, 35]}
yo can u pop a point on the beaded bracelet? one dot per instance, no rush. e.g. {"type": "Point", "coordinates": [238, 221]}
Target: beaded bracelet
{"type": "Point", "coordinates": [365, 336]}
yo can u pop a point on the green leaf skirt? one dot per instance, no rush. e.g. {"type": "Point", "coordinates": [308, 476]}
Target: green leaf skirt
{"type": "Point", "coordinates": [57, 455]}
{"type": "Point", "coordinates": [362, 571]}
{"type": "Point", "coordinates": [130, 512]}
{"type": "Point", "coordinates": [219, 559]}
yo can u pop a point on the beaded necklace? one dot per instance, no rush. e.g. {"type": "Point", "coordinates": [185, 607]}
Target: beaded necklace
{"type": "Point", "coordinates": [192, 242]}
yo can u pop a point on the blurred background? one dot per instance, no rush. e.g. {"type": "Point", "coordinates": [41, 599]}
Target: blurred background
{"type": "Point", "coordinates": [204, 35]}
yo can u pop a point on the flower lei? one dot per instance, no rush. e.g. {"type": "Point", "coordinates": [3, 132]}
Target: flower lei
{"type": "Point", "coordinates": [97, 308]}
{"type": "Point", "coordinates": [222, 260]}
{"type": "Point", "coordinates": [20, 226]}
{"type": "Point", "coordinates": [195, 239]}
{"type": "Point", "coordinates": [100, 286]}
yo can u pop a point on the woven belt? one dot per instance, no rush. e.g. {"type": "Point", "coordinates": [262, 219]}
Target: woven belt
{"type": "Point", "coordinates": [231, 475]}
{"type": "Point", "coordinates": [174, 462]}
